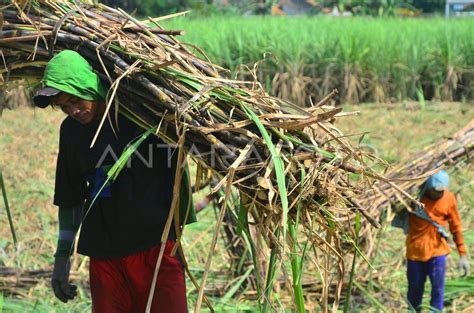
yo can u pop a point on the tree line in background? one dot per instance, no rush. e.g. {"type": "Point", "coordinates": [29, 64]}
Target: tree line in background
{"type": "Point", "coordinates": [236, 7]}
{"type": "Point", "coordinates": [388, 7]}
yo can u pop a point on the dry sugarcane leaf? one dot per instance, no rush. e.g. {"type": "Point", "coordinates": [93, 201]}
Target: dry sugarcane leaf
{"type": "Point", "coordinates": [263, 182]}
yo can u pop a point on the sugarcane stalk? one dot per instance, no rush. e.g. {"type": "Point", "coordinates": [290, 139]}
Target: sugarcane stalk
{"type": "Point", "coordinates": [7, 209]}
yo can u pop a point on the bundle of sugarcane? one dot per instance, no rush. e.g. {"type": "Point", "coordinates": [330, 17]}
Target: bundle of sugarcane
{"type": "Point", "coordinates": [382, 202]}
{"type": "Point", "coordinates": [450, 152]}
{"type": "Point", "coordinates": [295, 171]}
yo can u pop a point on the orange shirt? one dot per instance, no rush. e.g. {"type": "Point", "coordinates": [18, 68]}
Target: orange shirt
{"type": "Point", "coordinates": [424, 241]}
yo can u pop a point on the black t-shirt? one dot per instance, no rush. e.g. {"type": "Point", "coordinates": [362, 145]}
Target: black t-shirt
{"type": "Point", "coordinates": [128, 215]}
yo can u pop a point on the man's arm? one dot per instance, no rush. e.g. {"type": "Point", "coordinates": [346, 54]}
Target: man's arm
{"type": "Point", "coordinates": [69, 194]}
{"type": "Point", "coordinates": [455, 228]}
{"type": "Point", "coordinates": [69, 222]}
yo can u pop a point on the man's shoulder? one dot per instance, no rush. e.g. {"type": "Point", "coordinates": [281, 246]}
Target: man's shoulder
{"type": "Point", "coordinates": [449, 196]}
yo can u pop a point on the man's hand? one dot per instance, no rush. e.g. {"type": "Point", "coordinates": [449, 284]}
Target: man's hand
{"type": "Point", "coordinates": [60, 280]}
{"type": "Point", "coordinates": [463, 265]}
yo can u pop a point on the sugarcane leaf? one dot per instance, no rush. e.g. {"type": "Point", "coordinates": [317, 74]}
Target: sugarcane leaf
{"type": "Point", "coordinates": [305, 145]}
{"type": "Point", "coordinates": [356, 247]}
{"type": "Point", "coordinates": [278, 300]}
{"type": "Point", "coordinates": [115, 170]}
{"type": "Point", "coordinates": [277, 163]}
{"type": "Point", "coordinates": [347, 301]}
{"type": "Point", "coordinates": [305, 247]}
{"type": "Point", "coordinates": [235, 90]}
{"type": "Point", "coordinates": [270, 276]}
{"type": "Point", "coordinates": [362, 138]}
{"type": "Point", "coordinates": [219, 94]}
{"type": "Point", "coordinates": [191, 83]}
{"type": "Point", "coordinates": [250, 243]}
{"type": "Point", "coordinates": [372, 299]}
{"type": "Point", "coordinates": [357, 223]}
{"type": "Point", "coordinates": [242, 220]}
{"type": "Point", "coordinates": [127, 153]}
{"type": "Point", "coordinates": [295, 268]}
{"type": "Point", "coordinates": [229, 294]}
{"type": "Point", "coordinates": [295, 259]}
{"type": "Point", "coordinates": [303, 255]}
{"type": "Point", "coordinates": [298, 207]}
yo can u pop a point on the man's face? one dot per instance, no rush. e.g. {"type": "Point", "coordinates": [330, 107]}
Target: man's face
{"type": "Point", "coordinates": [83, 111]}
{"type": "Point", "coordinates": [433, 194]}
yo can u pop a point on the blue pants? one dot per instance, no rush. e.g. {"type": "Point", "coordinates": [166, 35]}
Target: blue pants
{"type": "Point", "coordinates": [435, 269]}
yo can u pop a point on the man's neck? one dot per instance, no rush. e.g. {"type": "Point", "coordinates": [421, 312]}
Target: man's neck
{"type": "Point", "coordinates": [100, 112]}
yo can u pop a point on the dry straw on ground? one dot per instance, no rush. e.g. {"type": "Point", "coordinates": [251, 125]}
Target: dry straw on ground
{"type": "Point", "coordinates": [296, 173]}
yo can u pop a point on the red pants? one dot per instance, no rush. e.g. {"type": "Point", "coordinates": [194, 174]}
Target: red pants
{"type": "Point", "coordinates": [122, 285]}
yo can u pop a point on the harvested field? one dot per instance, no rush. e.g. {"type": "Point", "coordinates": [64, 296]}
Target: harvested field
{"type": "Point", "coordinates": [32, 181]}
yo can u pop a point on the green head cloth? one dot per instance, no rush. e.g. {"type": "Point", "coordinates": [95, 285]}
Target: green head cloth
{"type": "Point", "coordinates": [69, 72]}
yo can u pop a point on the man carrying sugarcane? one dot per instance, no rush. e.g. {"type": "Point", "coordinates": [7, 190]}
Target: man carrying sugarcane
{"type": "Point", "coordinates": [426, 243]}
{"type": "Point", "coordinates": [121, 222]}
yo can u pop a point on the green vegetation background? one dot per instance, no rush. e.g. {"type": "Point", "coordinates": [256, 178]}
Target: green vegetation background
{"type": "Point", "coordinates": [366, 59]}
{"type": "Point", "coordinates": [210, 7]}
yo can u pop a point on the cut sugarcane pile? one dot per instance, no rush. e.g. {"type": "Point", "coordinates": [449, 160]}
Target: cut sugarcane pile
{"type": "Point", "coordinates": [381, 201]}
{"type": "Point", "coordinates": [450, 152]}
{"type": "Point", "coordinates": [296, 173]}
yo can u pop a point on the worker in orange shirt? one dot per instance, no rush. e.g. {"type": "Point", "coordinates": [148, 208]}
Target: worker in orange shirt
{"type": "Point", "coordinates": [426, 243]}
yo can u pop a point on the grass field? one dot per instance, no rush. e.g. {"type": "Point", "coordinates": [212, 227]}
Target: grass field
{"type": "Point", "coordinates": [366, 59]}
{"type": "Point", "coordinates": [28, 145]}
